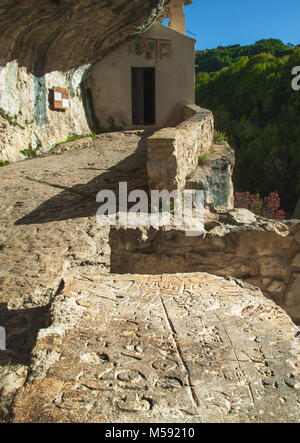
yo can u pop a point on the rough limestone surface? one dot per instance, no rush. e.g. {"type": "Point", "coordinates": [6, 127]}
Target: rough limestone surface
{"type": "Point", "coordinates": [61, 35]}
{"type": "Point", "coordinates": [182, 348]}
{"type": "Point", "coordinates": [48, 213]}
{"type": "Point", "coordinates": [214, 177]}
{"type": "Point", "coordinates": [62, 40]}
{"type": "Point", "coordinates": [235, 243]}
{"type": "Point", "coordinates": [30, 117]}
{"type": "Point", "coordinates": [49, 234]}
{"type": "Point", "coordinates": [172, 153]}
{"type": "Point", "coordinates": [48, 229]}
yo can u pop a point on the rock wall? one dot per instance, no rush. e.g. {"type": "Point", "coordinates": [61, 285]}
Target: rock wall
{"type": "Point", "coordinates": [53, 43]}
{"type": "Point", "coordinates": [173, 152]}
{"type": "Point", "coordinates": [214, 177]}
{"type": "Point", "coordinates": [27, 115]}
{"type": "Point", "coordinates": [262, 252]}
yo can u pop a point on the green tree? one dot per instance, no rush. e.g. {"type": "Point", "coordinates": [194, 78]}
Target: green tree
{"type": "Point", "coordinates": [254, 104]}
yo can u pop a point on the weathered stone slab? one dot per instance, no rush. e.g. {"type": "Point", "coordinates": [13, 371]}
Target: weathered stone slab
{"type": "Point", "coordinates": [180, 348]}
{"type": "Point", "coordinates": [237, 243]}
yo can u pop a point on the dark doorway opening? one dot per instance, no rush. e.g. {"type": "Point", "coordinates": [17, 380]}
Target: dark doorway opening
{"type": "Point", "coordinates": [143, 96]}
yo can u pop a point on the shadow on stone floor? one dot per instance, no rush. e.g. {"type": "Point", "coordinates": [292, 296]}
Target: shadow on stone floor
{"type": "Point", "coordinates": [22, 327]}
{"type": "Point", "coordinates": [80, 200]}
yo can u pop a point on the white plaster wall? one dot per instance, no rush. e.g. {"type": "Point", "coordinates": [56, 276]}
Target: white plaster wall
{"type": "Point", "coordinates": [110, 81]}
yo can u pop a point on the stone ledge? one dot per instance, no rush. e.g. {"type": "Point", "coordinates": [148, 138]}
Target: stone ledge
{"type": "Point", "coordinates": [236, 243]}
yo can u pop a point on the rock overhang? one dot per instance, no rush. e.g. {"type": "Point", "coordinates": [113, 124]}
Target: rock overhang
{"type": "Point", "coordinates": [59, 35]}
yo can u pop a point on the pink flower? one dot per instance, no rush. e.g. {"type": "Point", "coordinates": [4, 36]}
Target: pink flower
{"type": "Point", "coordinates": [267, 207]}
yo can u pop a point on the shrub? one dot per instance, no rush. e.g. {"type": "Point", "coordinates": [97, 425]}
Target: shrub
{"type": "Point", "coordinates": [9, 118]}
{"type": "Point", "coordinates": [268, 207]}
{"type": "Point", "coordinates": [72, 138]}
{"type": "Point", "coordinates": [31, 152]}
{"type": "Point", "coordinates": [220, 137]}
{"type": "Point", "coordinates": [202, 158]}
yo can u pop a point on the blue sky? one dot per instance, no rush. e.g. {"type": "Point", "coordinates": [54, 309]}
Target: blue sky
{"type": "Point", "coordinates": [227, 22]}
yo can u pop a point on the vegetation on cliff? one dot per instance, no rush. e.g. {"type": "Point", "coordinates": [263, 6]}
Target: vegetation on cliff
{"type": "Point", "coordinates": [249, 90]}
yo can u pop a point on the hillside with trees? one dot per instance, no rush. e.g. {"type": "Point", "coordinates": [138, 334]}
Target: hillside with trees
{"type": "Point", "coordinates": [249, 90]}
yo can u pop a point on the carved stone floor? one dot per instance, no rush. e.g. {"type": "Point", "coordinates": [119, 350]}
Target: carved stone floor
{"type": "Point", "coordinates": [171, 348]}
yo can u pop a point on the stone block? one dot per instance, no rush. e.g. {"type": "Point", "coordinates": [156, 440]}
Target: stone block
{"type": "Point", "coordinates": [292, 297]}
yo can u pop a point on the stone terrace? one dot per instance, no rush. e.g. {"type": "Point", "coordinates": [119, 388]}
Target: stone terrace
{"type": "Point", "coordinates": [181, 348]}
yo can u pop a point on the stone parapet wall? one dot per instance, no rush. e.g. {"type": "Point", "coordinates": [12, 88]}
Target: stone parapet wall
{"type": "Point", "coordinates": [262, 252]}
{"type": "Point", "coordinates": [173, 152]}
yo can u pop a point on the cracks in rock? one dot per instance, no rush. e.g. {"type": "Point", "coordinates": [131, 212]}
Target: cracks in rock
{"type": "Point", "coordinates": [171, 327]}
{"type": "Point", "coordinates": [247, 381]}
